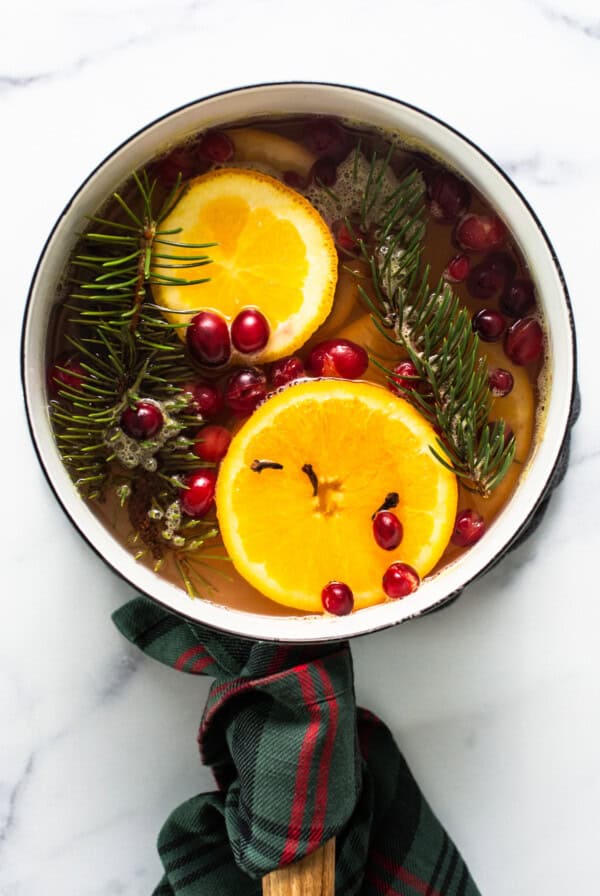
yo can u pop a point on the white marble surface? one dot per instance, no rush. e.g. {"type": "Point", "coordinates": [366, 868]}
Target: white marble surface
{"type": "Point", "coordinates": [495, 701]}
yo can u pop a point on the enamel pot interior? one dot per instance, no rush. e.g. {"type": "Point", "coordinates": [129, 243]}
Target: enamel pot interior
{"type": "Point", "coordinates": [417, 129]}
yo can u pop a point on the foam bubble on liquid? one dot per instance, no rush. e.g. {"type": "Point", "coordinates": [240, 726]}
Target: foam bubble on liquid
{"type": "Point", "coordinates": [132, 453]}
{"type": "Point", "coordinates": [355, 176]}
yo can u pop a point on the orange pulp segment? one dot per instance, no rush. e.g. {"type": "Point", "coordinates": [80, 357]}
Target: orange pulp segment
{"type": "Point", "coordinates": [362, 443]}
{"type": "Point", "coordinates": [274, 252]}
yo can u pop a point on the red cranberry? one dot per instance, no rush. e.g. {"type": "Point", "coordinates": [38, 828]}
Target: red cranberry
{"type": "Point", "coordinates": [198, 497]}
{"type": "Point", "coordinates": [286, 370]}
{"type": "Point", "coordinates": [245, 389]}
{"type": "Point", "coordinates": [387, 530]}
{"type": "Point", "coordinates": [215, 146]}
{"type": "Point", "coordinates": [338, 357]}
{"type": "Point", "coordinates": [524, 341]}
{"type": "Point", "coordinates": [142, 421]}
{"type": "Point", "coordinates": [208, 340]}
{"type": "Point", "coordinates": [345, 238]}
{"type": "Point", "coordinates": [324, 172]}
{"type": "Point", "coordinates": [295, 180]}
{"type": "Point", "coordinates": [400, 580]}
{"type": "Point", "coordinates": [518, 299]}
{"type": "Point", "coordinates": [478, 233]}
{"type": "Point", "coordinates": [405, 376]}
{"type": "Point", "coordinates": [469, 526]}
{"type": "Point", "coordinates": [178, 162]}
{"type": "Point", "coordinates": [65, 373]}
{"type": "Point", "coordinates": [489, 324]}
{"type": "Point", "coordinates": [250, 331]}
{"type": "Point", "coordinates": [457, 269]}
{"type": "Point", "coordinates": [212, 443]}
{"type": "Point", "coordinates": [488, 279]}
{"type": "Point", "coordinates": [501, 382]}
{"type": "Point", "coordinates": [449, 196]}
{"type": "Point", "coordinates": [325, 137]}
{"type": "Point", "coordinates": [337, 598]}
{"type": "Point", "coordinates": [206, 399]}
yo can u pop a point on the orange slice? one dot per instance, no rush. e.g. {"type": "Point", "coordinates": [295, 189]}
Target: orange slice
{"type": "Point", "coordinates": [362, 443]}
{"type": "Point", "coordinates": [274, 252]}
{"type": "Point", "coordinates": [273, 150]}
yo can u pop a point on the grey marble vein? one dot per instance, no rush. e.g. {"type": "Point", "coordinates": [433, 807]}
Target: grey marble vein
{"type": "Point", "coordinates": [7, 81]}
{"type": "Point", "coordinates": [118, 674]}
{"type": "Point", "coordinates": [541, 169]}
{"type": "Point", "coordinates": [588, 28]}
{"type": "Point", "coordinates": [13, 800]}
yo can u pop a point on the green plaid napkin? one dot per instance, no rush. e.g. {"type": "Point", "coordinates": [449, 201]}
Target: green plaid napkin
{"type": "Point", "coordinates": [295, 763]}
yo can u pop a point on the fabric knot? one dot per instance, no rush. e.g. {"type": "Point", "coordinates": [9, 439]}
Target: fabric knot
{"type": "Point", "coordinates": [296, 763]}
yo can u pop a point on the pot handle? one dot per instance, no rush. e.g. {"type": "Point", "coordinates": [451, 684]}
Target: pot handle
{"type": "Point", "coordinates": [313, 875]}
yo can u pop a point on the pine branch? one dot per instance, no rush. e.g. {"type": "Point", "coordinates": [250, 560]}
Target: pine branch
{"type": "Point", "coordinates": [125, 347]}
{"type": "Point", "coordinates": [434, 330]}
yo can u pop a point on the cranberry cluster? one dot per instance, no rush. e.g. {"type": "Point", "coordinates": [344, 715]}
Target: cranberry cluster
{"type": "Point", "coordinates": [325, 139]}
{"type": "Point", "coordinates": [399, 579]}
{"type": "Point", "coordinates": [493, 278]}
{"type": "Point", "coordinates": [322, 136]}
{"type": "Point", "coordinates": [241, 393]}
{"type": "Point", "coordinates": [212, 148]}
{"type": "Point", "coordinates": [209, 339]}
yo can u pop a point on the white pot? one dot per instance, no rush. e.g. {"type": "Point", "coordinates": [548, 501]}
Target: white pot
{"type": "Point", "coordinates": [418, 129]}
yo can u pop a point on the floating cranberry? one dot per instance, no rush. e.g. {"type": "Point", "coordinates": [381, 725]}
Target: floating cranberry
{"type": "Point", "coordinates": [208, 340]}
{"type": "Point", "coordinates": [501, 382]}
{"type": "Point", "coordinates": [518, 299]}
{"type": "Point", "coordinates": [325, 137]}
{"type": "Point", "coordinates": [337, 598]}
{"type": "Point", "coordinates": [387, 530]}
{"type": "Point", "coordinates": [449, 196]}
{"type": "Point", "coordinates": [478, 233]}
{"type": "Point", "coordinates": [457, 269]}
{"type": "Point", "coordinates": [405, 376]}
{"type": "Point", "coordinates": [176, 163]}
{"type": "Point", "coordinates": [250, 331]}
{"type": "Point", "coordinates": [324, 172]}
{"type": "Point", "coordinates": [212, 443]}
{"type": "Point", "coordinates": [294, 180]}
{"type": "Point", "coordinates": [142, 421]}
{"type": "Point", "coordinates": [469, 526]}
{"type": "Point", "coordinates": [215, 146]}
{"type": "Point", "coordinates": [346, 237]}
{"type": "Point", "coordinates": [489, 324]}
{"type": "Point", "coordinates": [338, 357]}
{"type": "Point", "coordinates": [286, 370]}
{"type": "Point", "coordinates": [198, 496]}
{"type": "Point", "coordinates": [205, 398]}
{"type": "Point", "coordinates": [492, 276]}
{"type": "Point", "coordinates": [65, 373]}
{"type": "Point", "coordinates": [245, 389]}
{"type": "Point", "coordinates": [400, 580]}
{"type": "Point", "coordinates": [524, 341]}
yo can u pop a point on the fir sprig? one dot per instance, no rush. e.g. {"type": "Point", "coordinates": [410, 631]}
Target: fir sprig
{"type": "Point", "coordinates": [433, 328]}
{"type": "Point", "coordinates": [128, 351]}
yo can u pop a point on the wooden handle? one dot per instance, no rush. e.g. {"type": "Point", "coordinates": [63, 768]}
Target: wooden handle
{"type": "Point", "coordinates": [312, 876]}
